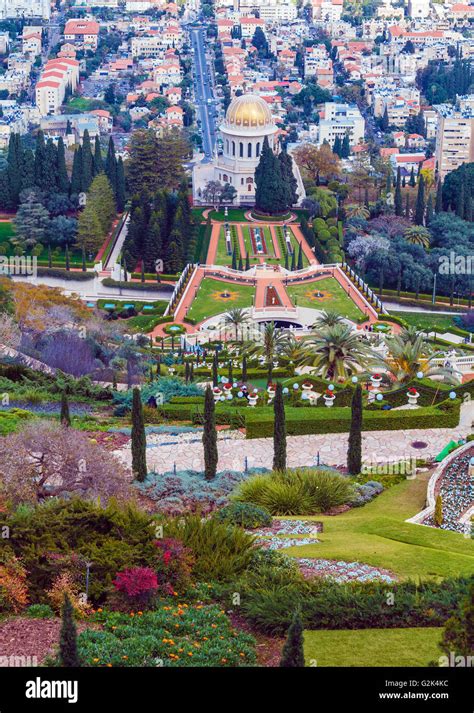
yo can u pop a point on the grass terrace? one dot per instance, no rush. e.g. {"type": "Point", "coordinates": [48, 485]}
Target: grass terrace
{"type": "Point", "coordinates": [333, 297]}
{"type": "Point", "coordinates": [211, 298]}
{"type": "Point", "coordinates": [427, 322]}
{"type": "Point", "coordinates": [372, 647]}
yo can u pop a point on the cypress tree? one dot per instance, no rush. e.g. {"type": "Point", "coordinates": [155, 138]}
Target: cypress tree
{"type": "Point", "coordinates": [40, 160]}
{"type": "Point", "coordinates": [62, 175]}
{"type": "Point", "coordinates": [429, 215]}
{"type": "Point", "coordinates": [398, 194]}
{"type": "Point", "coordinates": [87, 162]}
{"type": "Point", "coordinates": [111, 166]}
{"type": "Point", "coordinates": [286, 260]}
{"type": "Point", "coordinates": [247, 262]}
{"type": "Point", "coordinates": [439, 197]}
{"type": "Point", "coordinates": [14, 169]}
{"type": "Point", "coordinates": [279, 430]}
{"type": "Point", "coordinates": [241, 264]}
{"type": "Point", "coordinates": [234, 260]}
{"type": "Point", "coordinates": [64, 417]}
{"type": "Point", "coordinates": [289, 183]}
{"type": "Point", "coordinates": [300, 258]}
{"type": "Point", "coordinates": [293, 652]}
{"type": "Point", "coordinates": [230, 372]}
{"type": "Point", "coordinates": [244, 368]}
{"type": "Point", "coordinates": [215, 367]}
{"type": "Point", "coordinates": [420, 202]}
{"type": "Point", "coordinates": [354, 451]}
{"type": "Point", "coordinates": [76, 176]}
{"type": "Point", "coordinates": [345, 147]}
{"type": "Point", "coordinates": [186, 372]}
{"type": "Point", "coordinates": [191, 373]}
{"type": "Point", "coordinates": [337, 146]}
{"type": "Point", "coordinates": [120, 196]}
{"type": "Point", "coordinates": [98, 161]}
{"type": "Point", "coordinates": [412, 181]}
{"type": "Point", "coordinates": [84, 265]}
{"type": "Point", "coordinates": [438, 513]}
{"type": "Point", "coordinates": [68, 655]}
{"type": "Point", "coordinates": [209, 436]}
{"type": "Point", "coordinates": [138, 438]}
{"type": "Point", "coordinates": [293, 260]}
{"type": "Point", "coordinates": [407, 207]}
{"type": "Point", "coordinates": [385, 123]}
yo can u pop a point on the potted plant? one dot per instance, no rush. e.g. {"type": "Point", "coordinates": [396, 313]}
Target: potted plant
{"type": "Point", "coordinates": [376, 380]}
{"type": "Point", "coordinates": [413, 396]}
{"type": "Point", "coordinates": [307, 386]}
{"type": "Point", "coordinates": [217, 393]}
{"type": "Point", "coordinates": [329, 397]}
{"type": "Point", "coordinates": [253, 399]}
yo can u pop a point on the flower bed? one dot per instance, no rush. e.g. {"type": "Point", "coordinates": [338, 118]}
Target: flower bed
{"type": "Point", "coordinates": [290, 527]}
{"type": "Point", "coordinates": [457, 493]}
{"type": "Point", "coordinates": [343, 571]}
{"type": "Point", "coordinates": [282, 543]}
{"type": "Point", "coordinates": [173, 635]}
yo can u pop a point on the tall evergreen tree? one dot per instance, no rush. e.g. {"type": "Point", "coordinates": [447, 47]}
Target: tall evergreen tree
{"type": "Point", "coordinates": [407, 207]}
{"type": "Point", "coordinates": [293, 260]}
{"type": "Point", "coordinates": [354, 451]}
{"type": "Point", "coordinates": [244, 368]}
{"type": "Point", "coordinates": [215, 368]}
{"type": "Point", "coordinates": [247, 261]}
{"type": "Point", "coordinates": [65, 417]}
{"type": "Point", "coordinates": [345, 146]}
{"type": "Point", "coordinates": [398, 194]}
{"type": "Point", "coordinates": [293, 651]}
{"type": "Point", "coordinates": [14, 163]}
{"type": "Point", "coordinates": [271, 194]}
{"type": "Point", "coordinates": [87, 161]}
{"type": "Point", "coordinates": [300, 258]}
{"type": "Point", "coordinates": [419, 218]}
{"type": "Point", "coordinates": [27, 169]}
{"type": "Point", "coordinates": [429, 215]}
{"type": "Point", "coordinates": [98, 161]}
{"type": "Point", "coordinates": [439, 197]}
{"type": "Point", "coordinates": [279, 430]}
{"type": "Point", "coordinates": [68, 654]}
{"type": "Point", "coordinates": [288, 178]}
{"type": "Point", "coordinates": [384, 122]}
{"type": "Point", "coordinates": [49, 182]}
{"type": "Point", "coordinates": [76, 176]}
{"type": "Point", "coordinates": [209, 436]}
{"type": "Point", "coordinates": [40, 159]}
{"type": "Point", "coordinates": [139, 468]}
{"type": "Point", "coordinates": [62, 175]}
{"type": "Point", "coordinates": [337, 146]}
{"type": "Point", "coordinates": [111, 166]}
{"type": "Point", "coordinates": [412, 181]}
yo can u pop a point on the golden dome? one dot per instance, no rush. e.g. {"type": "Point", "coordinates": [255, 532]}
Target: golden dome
{"type": "Point", "coordinates": [248, 111]}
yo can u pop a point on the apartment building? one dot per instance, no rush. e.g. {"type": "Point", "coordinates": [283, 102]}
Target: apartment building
{"type": "Point", "coordinates": [339, 120]}
{"type": "Point", "coordinates": [82, 32]}
{"type": "Point", "coordinates": [25, 8]}
{"type": "Point", "coordinates": [454, 137]}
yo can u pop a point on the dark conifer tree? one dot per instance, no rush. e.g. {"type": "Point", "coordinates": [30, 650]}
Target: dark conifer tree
{"type": "Point", "coordinates": [87, 162]}
{"type": "Point", "coordinates": [76, 176]}
{"type": "Point", "coordinates": [98, 161]}
{"type": "Point", "coordinates": [345, 147]}
{"type": "Point", "coordinates": [300, 258]}
{"type": "Point", "coordinates": [354, 451]}
{"type": "Point", "coordinates": [215, 367]}
{"type": "Point", "coordinates": [247, 262]}
{"type": "Point", "coordinates": [65, 417]}
{"type": "Point", "coordinates": [244, 368]}
{"type": "Point", "coordinates": [62, 176]}
{"type": "Point", "coordinates": [398, 194]}
{"type": "Point", "coordinates": [412, 181]}
{"type": "Point", "coordinates": [420, 202]}
{"type": "Point", "coordinates": [293, 652]}
{"type": "Point", "coordinates": [439, 197]}
{"type": "Point", "coordinates": [139, 468]}
{"type": "Point", "coordinates": [111, 166]}
{"type": "Point", "coordinates": [407, 207]}
{"type": "Point", "coordinates": [288, 179]}
{"type": "Point", "coordinates": [279, 430]}
{"type": "Point", "coordinates": [14, 161]}
{"type": "Point", "coordinates": [209, 436]}
{"type": "Point", "coordinates": [429, 215]}
{"type": "Point", "coordinates": [68, 654]}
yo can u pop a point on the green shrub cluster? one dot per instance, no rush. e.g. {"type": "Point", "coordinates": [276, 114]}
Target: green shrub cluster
{"type": "Point", "coordinates": [268, 603]}
{"type": "Point", "coordinates": [245, 515]}
{"type": "Point", "coordinates": [61, 274]}
{"type": "Point", "coordinates": [296, 492]}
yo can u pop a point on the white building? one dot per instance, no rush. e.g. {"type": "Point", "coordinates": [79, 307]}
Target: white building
{"type": "Point", "coordinates": [418, 9]}
{"type": "Point", "coordinates": [25, 8]}
{"type": "Point", "coordinates": [248, 121]}
{"type": "Point", "coordinates": [339, 120]}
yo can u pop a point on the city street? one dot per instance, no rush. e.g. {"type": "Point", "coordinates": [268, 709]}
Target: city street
{"type": "Point", "coordinates": [205, 102]}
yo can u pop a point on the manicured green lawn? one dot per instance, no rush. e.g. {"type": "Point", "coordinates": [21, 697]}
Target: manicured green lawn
{"type": "Point", "coordinates": [377, 534]}
{"type": "Point", "coordinates": [222, 256]}
{"type": "Point", "coordinates": [208, 302]}
{"type": "Point", "coordinates": [427, 322]}
{"type": "Point", "coordinates": [233, 215]}
{"type": "Point", "coordinates": [334, 297]}
{"type": "Point", "coordinates": [372, 647]}
{"type": "Point", "coordinates": [6, 231]}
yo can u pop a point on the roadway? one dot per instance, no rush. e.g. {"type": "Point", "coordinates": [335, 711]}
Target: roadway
{"type": "Point", "coordinates": [204, 94]}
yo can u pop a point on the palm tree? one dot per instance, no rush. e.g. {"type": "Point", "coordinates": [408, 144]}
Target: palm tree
{"type": "Point", "coordinates": [418, 235]}
{"type": "Point", "coordinates": [236, 317]}
{"type": "Point", "coordinates": [273, 342]}
{"type": "Point", "coordinates": [357, 211]}
{"type": "Point", "coordinates": [327, 318]}
{"type": "Point", "coordinates": [409, 357]}
{"type": "Point", "coordinates": [337, 352]}
{"type": "Point", "coordinates": [292, 350]}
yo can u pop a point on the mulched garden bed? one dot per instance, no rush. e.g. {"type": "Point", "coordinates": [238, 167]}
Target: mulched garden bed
{"type": "Point", "coordinates": [26, 637]}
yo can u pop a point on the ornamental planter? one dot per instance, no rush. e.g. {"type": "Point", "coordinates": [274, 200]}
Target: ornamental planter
{"type": "Point", "coordinates": [217, 393]}
{"type": "Point", "coordinates": [307, 386]}
{"type": "Point", "coordinates": [376, 381]}
{"type": "Point", "coordinates": [253, 400]}
{"type": "Point", "coordinates": [413, 397]}
{"type": "Point", "coordinates": [328, 399]}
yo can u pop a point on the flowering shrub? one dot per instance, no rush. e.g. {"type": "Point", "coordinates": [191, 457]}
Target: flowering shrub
{"type": "Point", "coordinates": [65, 583]}
{"type": "Point", "coordinates": [412, 391]}
{"type": "Point", "coordinates": [173, 635]}
{"type": "Point", "coordinates": [175, 563]}
{"type": "Point", "coordinates": [137, 584]}
{"type": "Point", "coordinates": [13, 586]}
{"type": "Point", "coordinates": [365, 493]}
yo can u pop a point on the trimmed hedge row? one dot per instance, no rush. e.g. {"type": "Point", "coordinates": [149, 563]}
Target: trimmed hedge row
{"type": "Point", "coordinates": [140, 286]}
{"type": "Point", "coordinates": [64, 274]}
{"type": "Point", "coordinates": [300, 421]}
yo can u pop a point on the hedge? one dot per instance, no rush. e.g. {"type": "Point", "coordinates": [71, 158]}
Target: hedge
{"type": "Point", "coordinates": [302, 421]}
{"type": "Point", "coordinates": [140, 286]}
{"type": "Point", "coordinates": [64, 274]}
{"type": "Point", "coordinates": [152, 276]}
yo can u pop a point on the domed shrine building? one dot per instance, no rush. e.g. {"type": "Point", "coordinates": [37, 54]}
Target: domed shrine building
{"type": "Point", "coordinates": [248, 121]}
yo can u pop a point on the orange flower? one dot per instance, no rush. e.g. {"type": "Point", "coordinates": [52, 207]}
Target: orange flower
{"type": "Point", "coordinates": [190, 653]}
{"type": "Point", "coordinates": [223, 660]}
{"type": "Point", "coordinates": [99, 609]}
